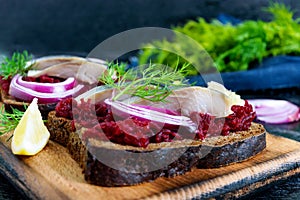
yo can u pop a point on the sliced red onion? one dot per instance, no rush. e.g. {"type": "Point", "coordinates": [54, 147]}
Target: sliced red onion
{"type": "Point", "coordinates": [26, 94]}
{"type": "Point", "coordinates": [275, 111]}
{"type": "Point", "coordinates": [68, 84]}
{"type": "Point", "coordinates": [161, 110]}
{"type": "Point", "coordinates": [152, 115]}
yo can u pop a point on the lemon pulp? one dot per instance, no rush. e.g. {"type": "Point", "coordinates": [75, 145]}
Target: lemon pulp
{"type": "Point", "coordinates": [31, 135]}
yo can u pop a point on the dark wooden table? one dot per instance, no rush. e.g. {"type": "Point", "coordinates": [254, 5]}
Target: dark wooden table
{"type": "Point", "coordinates": [283, 189]}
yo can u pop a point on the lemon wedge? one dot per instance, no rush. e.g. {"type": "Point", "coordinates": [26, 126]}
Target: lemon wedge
{"type": "Point", "coordinates": [31, 134]}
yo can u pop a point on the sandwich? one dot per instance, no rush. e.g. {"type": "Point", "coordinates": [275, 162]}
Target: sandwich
{"type": "Point", "coordinates": [49, 79]}
{"type": "Point", "coordinates": [155, 125]}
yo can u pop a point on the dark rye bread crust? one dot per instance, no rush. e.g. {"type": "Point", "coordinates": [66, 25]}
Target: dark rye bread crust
{"type": "Point", "coordinates": [61, 131]}
{"type": "Point", "coordinates": [211, 153]}
{"type": "Point", "coordinates": [59, 128]}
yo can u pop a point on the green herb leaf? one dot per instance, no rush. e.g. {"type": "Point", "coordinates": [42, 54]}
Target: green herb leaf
{"type": "Point", "coordinates": [152, 82]}
{"type": "Point", "coordinates": [15, 65]}
{"type": "Point", "coordinates": [9, 121]}
{"type": "Point", "coordinates": [233, 48]}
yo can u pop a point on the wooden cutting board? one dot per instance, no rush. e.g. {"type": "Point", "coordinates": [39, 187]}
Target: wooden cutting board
{"type": "Point", "coordinates": [53, 174]}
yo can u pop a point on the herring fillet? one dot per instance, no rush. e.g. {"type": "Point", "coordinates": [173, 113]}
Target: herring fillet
{"type": "Point", "coordinates": [205, 100]}
{"type": "Point", "coordinates": [215, 100]}
{"type": "Point", "coordinates": [80, 68]}
{"type": "Point", "coordinates": [45, 62]}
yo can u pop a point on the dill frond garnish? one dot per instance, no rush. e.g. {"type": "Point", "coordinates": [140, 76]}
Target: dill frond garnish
{"type": "Point", "coordinates": [153, 82]}
{"type": "Point", "coordinates": [14, 65]}
{"type": "Point", "coordinates": [9, 121]}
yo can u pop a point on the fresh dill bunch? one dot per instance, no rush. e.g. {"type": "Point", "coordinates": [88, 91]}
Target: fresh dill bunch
{"type": "Point", "coordinates": [153, 82]}
{"type": "Point", "coordinates": [231, 47]}
{"type": "Point", "coordinates": [15, 65]}
{"type": "Point", "coordinates": [9, 121]}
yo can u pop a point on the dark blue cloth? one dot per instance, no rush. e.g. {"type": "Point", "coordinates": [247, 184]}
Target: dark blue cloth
{"type": "Point", "coordinates": [273, 73]}
{"type": "Point", "coordinates": [225, 19]}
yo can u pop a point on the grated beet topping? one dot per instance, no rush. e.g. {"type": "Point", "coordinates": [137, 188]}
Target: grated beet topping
{"type": "Point", "coordinates": [5, 83]}
{"type": "Point", "coordinates": [100, 124]}
{"type": "Point", "coordinates": [239, 120]}
{"type": "Point", "coordinates": [43, 79]}
{"type": "Point", "coordinates": [64, 108]}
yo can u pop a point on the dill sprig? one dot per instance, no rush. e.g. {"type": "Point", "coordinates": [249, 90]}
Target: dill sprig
{"type": "Point", "coordinates": [153, 82]}
{"type": "Point", "coordinates": [14, 65]}
{"type": "Point", "coordinates": [9, 121]}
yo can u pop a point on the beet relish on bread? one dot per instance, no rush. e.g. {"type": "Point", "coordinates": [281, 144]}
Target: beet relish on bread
{"type": "Point", "coordinates": [137, 127]}
{"type": "Point", "coordinates": [128, 130]}
{"type": "Point", "coordinates": [128, 118]}
{"type": "Point", "coordinates": [141, 130]}
{"type": "Point", "coordinates": [49, 79]}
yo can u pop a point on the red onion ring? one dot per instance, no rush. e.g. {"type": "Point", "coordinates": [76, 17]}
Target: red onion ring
{"type": "Point", "coordinates": [275, 111]}
{"type": "Point", "coordinates": [68, 84]}
{"type": "Point", "coordinates": [27, 94]}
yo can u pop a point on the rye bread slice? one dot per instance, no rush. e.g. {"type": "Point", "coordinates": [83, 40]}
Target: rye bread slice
{"type": "Point", "coordinates": [62, 131]}
{"type": "Point", "coordinates": [109, 164]}
{"type": "Point", "coordinates": [60, 128]}
{"type": "Point", "coordinates": [132, 168]}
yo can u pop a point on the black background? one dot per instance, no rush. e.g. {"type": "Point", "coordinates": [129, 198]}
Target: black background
{"type": "Point", "coordinates": [68, 26]}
